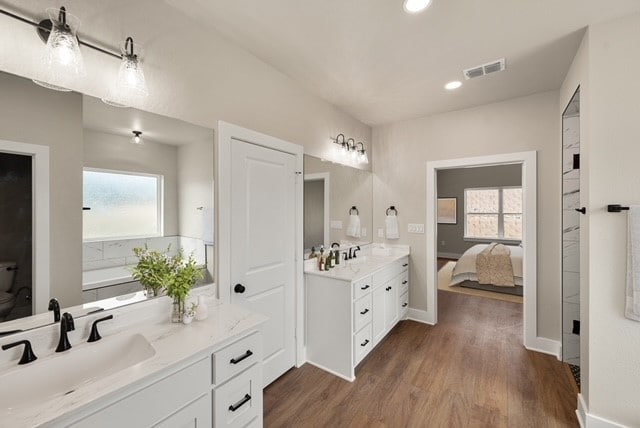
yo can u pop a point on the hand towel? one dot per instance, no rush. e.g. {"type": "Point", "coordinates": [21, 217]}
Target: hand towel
{"type": "Point", "coordinates": [391, 223]}
{"type": "Point", "coordinates": [632, 309]}
{"type": "Point", "coordinates": [353, 229]}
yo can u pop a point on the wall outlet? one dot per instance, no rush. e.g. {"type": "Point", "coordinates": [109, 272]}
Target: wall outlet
{"type": "Point", "coordinates": [363, 232]}
{"type": "Point", "coordinates": [380, 233]}
{"type": "Point", "coordinates": [336, 224]}
{"type": "Point", "coordinates": [415, 228]}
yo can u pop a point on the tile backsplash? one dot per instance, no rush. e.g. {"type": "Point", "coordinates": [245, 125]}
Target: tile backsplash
{"type": "Point", "coordinates": [106, 254]}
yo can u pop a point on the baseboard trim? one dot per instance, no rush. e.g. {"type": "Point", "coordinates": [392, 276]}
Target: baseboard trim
{"type": "Point", "coordinates": [321, 367]}
{"type": "Point", "coordinates": [546, 346]}
{"type": "Point", "coordinates": [587, 420]}
{"type": "Point", "coordinates": [449, 255]}
{"type": "Point", "coordinates": [420, 316]}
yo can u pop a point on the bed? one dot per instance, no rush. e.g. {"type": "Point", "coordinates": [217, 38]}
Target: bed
{"type": "Point", "coordinates": [465, 274]}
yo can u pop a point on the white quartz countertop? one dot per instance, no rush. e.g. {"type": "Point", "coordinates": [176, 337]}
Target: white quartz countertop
{"type": "Point", "coordinates": [173, 343]}
{"type": "Point", "coordinates": [357, 268]}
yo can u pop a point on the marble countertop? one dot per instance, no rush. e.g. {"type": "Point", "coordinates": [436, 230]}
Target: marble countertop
{"type": "Point", "coordinates": [357, 268]}
{"type": "Point", "coordinates": [173, 343]}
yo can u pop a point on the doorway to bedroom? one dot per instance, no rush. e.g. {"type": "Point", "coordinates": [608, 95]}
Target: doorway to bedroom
{"type": "Point", "coordinates": [479, 231]}
{"type": "Point", "coordinates": [491, 210]}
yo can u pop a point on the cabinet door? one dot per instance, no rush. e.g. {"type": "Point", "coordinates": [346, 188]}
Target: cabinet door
{"type": "Point", "coordinates": [378, 313]}
{"type": "Point", "coordinates": [194, 415]}
{"type": "Point", "coordinates": [391, 304]}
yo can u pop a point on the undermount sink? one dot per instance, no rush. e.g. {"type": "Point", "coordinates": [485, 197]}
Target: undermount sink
{"type": "Point", "coordinates": [62, 373]}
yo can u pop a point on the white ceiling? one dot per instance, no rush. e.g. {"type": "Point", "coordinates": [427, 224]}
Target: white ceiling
{"type": "Point", "coordinates": [381, 65]}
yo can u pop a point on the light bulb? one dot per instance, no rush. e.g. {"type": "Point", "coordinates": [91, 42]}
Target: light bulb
{"type": "Point", "coordinates": [137, 139]}
{"type": "Point", "coordinates": [63, 59]}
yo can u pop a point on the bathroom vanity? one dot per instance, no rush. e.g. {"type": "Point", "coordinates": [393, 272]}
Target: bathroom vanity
{"type": "Point", "coordinates": [351, 308]}
{"type": "Point", "coordinates": [145, 371]}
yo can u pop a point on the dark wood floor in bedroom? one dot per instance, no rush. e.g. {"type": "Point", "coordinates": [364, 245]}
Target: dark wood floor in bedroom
{"type": "Point", "coordinates": [471, 370]}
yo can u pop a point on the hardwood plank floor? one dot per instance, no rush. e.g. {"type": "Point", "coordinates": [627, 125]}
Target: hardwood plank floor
{"type": "Point", "coordinates": [470, 370]}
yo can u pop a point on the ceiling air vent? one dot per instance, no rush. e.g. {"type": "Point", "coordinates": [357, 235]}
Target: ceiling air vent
{"type": "Point", "coordinates": [484, 69]}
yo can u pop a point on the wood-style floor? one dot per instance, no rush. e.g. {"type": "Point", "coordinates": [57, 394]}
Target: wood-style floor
{"type": "Point", "coordinates": [470, 370]}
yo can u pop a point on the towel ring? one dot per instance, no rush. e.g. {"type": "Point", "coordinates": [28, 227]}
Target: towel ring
{"type": "Point", "coordinates": [393, 209]}
{"type": "Point", "coordinates": [353, 208]}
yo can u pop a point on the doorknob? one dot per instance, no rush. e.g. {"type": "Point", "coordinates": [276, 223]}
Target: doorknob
{"type": "Point", "coordinates": [239, 288]}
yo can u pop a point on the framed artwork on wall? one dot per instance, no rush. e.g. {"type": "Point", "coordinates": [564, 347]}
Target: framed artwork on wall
{"type": "Point", "coordinates": [447, 208]}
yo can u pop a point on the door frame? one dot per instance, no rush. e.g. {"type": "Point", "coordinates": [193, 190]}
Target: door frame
{"type": "Point", "coordinates": [227, 132]}
{"type": "Point", "coordinates": [528, 160]}
{"type": "Point", "coordinates": [326, 179]}
{"type": "Point", "coordinates": [41, 239]}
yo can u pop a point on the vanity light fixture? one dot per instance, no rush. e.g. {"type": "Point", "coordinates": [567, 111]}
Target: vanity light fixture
{"type": "Point", "coordinates": [416, 6]}
{"type": "Point", "coordinates": [64, 61]}
{"type": "Point", "coordinates": [137, 139]}
{"type": "Point", "coordinates": [453, 85]}
{"type": "Point", "coordinates": [362, 154]}
{"type": "Point", "coordinates": [342, 146]}
{"type": "Point", "coordinates": [352, 149]}
{"type": "Point", "coordinates": [349, 150]}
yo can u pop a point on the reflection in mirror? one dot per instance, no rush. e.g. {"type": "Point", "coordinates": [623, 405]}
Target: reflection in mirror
{"type": "Point", "coordinates": [330, 192]}
{"type": "Point", "coordinates": [82, 135]}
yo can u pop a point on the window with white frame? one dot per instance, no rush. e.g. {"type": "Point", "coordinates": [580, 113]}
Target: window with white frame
{"type": "Point", "coordinates": [493, 213]}
{"type": "Point", "coordinates": [121, 205]}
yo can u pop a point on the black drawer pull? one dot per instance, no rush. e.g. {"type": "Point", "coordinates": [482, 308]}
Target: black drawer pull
{"type": "Point", "coordinates": [388, 288]}
{"type": "Point", "coordinates": [363, 344]}
{"type": "Point", "coordinates": [404, 305]}
{"type": "Point", "coordinates": [242, 357]}
{"type": "Point", "coordinates": [364, 312]}
{"type": "Point", "coordinates": [404, 282]}
{"type": "Point", "coordinates": [405, 265]}
{"type": "Point", "coordinates": [240, 403]}
{"type": "Point", "coordinates": [365, 287]}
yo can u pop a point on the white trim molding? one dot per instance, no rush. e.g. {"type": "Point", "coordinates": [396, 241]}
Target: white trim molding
{"type": "Point", "coordinates": [419, 315]}
{"type": "Point", "coordinates": [528, 160]}
{"type": "Point", "coordinates": [455, 256]}
{"type": "Point", "coordinates": [587, 420]}
{"type": "Point", "coordinates": [227, 132]}
{"type": "Point", "coordinates": [41, 255]}
{"type": "Point", "coordinates": [325, 177]}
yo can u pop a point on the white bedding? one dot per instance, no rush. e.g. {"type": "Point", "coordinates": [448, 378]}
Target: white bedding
{"type": "Point", "coordinates": [465, 268]}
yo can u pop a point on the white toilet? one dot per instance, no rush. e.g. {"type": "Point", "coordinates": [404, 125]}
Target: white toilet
{"type": "Point", "coordinates": [7, 274]}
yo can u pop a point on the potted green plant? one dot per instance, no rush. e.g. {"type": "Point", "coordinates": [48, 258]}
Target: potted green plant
{"type": "Point", "coordinates": [175, 275]}
{"type": "Point", "coordinates": [153, 269]}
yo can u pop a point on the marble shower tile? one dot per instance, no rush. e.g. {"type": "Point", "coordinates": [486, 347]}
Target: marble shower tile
{"type": "Point", "coordinates": [121, 249]}
{"type": "Point", "coordinates": [92, 251]}
{"type": "Point", "coordinates": [571, 287]}
{"type": "Point", "coordinates": [570, 312]}
{"type": "Point", "coordinates": [570, 256]}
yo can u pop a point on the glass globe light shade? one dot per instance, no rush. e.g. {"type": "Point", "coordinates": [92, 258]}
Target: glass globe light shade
{"type": "Point", "coordinates": [63, 58]}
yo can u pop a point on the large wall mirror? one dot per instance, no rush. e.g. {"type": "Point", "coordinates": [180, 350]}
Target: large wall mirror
{"type": "Point", "coordinates": [107, 195]}
{"type": "Point", "coordinates": [331, 191]}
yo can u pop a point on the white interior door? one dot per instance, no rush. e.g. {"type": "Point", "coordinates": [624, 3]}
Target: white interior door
{"type": "Point", "coordinates": [263, 236]}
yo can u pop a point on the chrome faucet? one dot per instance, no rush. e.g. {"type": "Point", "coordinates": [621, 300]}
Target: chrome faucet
{"type": "Point", "coordinates": [66, 325]}
{"type": "Point", "coordinates": [55, 307]}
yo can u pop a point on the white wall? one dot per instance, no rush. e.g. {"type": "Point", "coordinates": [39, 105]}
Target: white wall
{"type": "Point", "coordinates": [115, 152]}
{"type": "Point", "coordinates": [521, 124]}
{"type": "Point", "coordinates": [34, 115]}
{"type": "Point", "coordinates": [613, 177]}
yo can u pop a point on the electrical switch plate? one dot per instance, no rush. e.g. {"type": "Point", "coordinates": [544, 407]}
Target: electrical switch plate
{"type": "Point", "coordinates": [363, 232]}
{"type": "Point", "coordinates": [415, 228]}
{"type": "Point", "coordinates": [380, 233]}
{"type": "Point", "coordinates": [336, 224]}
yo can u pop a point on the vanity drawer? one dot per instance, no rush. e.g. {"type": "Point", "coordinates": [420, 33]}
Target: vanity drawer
{"type": "Point", "coordinates": [238, 401]}
{"type": "Point", "coordinates": [362, 344]}
{"type": "Point", "coordinates": [386, 274]}
{"type": "Point", "coordinates": [236, 357]}
{"type": "Point", "coordinates": [404, 263]}
{"type": "Point", "coordinates": [361, 287]}
{"type": "Point", "coordinates": [404, 305]}
{"type": "Point", "coordinates": [403, 282]}
{"type": "Point", "coordinates": [361, 312]}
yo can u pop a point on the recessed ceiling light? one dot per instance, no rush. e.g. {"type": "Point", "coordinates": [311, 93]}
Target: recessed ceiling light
{"type": "Point", "coordinates": [453, 85]}
{"type": "Point", "coordinates": [416, 6]}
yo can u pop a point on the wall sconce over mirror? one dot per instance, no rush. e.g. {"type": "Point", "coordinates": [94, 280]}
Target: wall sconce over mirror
{"type": "Point", "coordinates": [349, 150]}
{"type": "Point", "coordinates": [64, 64]}
{"type": "Point", "coordinates": [137, 138]}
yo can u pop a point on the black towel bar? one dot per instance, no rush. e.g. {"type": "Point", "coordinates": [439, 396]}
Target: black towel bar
{"type": "Point", "coordinates": [616, 208]}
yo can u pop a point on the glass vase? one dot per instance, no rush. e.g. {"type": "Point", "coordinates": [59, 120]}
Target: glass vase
{"type": "Point", "coordinates": [178, 310]}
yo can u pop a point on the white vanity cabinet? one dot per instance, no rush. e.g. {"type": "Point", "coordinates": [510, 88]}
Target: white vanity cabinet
{"type": "Point", "coordinates": [347, 318]}
{"type": "Point", "coordinates": [220, 388]}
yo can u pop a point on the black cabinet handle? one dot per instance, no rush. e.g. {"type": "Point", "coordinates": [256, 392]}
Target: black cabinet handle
{"type": "Point", "coordinates": [405, 265]}
{"type": "Point", "coordinates": [582, 210]}
{"type": "Point", "coordinates": [244, 356]}
{"type": "Point", "coordinates": [364, 312]}
{"type": "Point", "coordinates": [240, 403]}
{"type": "Point", "coordinates": [388, 288]}
{"type": "Point", "coordinates": [239, 288]}
{"type": "Point", "coordinates": [365, 287]}
{"type": "Point", "coordinates": [404, 305]}
{"type": "Point", "coordinates": [364, 343]}
{"type": "Point", "coordinates": [404, 282]}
